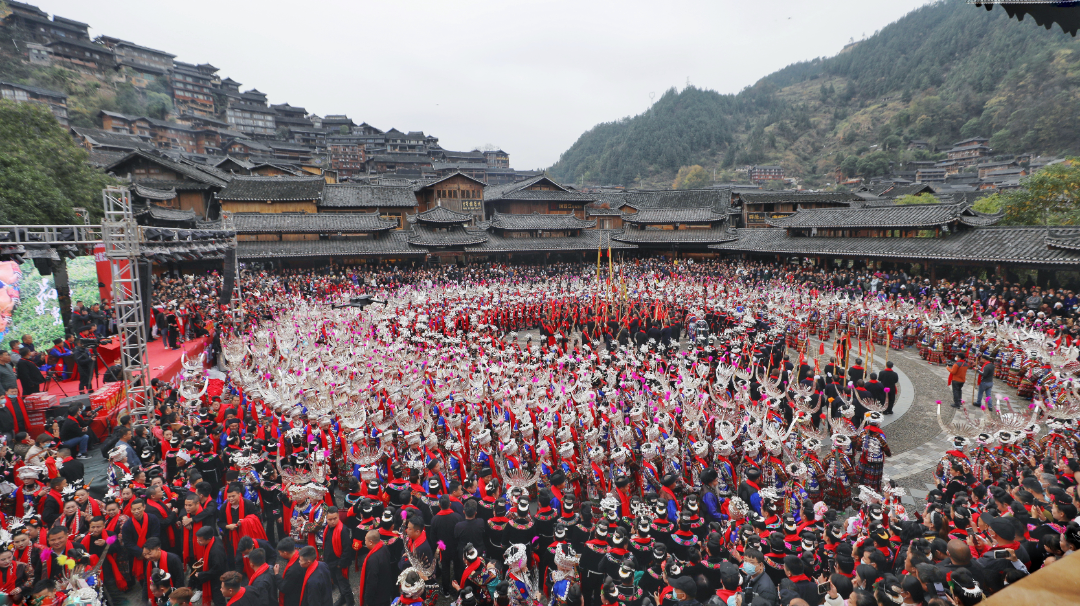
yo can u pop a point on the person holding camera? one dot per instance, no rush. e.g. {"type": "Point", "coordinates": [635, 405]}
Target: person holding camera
{"type": "Point", "coordinates": [72, 433]}
{"type": "Point", "coordinates": [84, 360]}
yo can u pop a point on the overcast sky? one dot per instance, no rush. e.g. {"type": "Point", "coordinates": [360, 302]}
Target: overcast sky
{"type": "Point", "coordinates": [527, 75]}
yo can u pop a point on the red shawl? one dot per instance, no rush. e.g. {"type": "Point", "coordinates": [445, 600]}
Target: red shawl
{"type": "Point", "coordinates": [207, 587]}
{"type": "Point", "coordinates": [335, 540]}
{"type": "Point", "coordinates": [189, 537]}
{"type": "Point", "coordinates": [255, 573]}
{"type": "Point", "coordinates": [7, 577]}
{"type": "Point", "coordinates": [292, 560]}
{"type": "Point", "coordinates": [310, 571]}
{"type": "Point", "coordinates": [363, 571]}
{"type": "Point", "coordinates": [137, 563]}
{"type": "Point", "coordinates": [236, 596]}
{"type": "Point", "coordinates": [234, 533]}
{"type": "Point", "coordinates": [163, 565]}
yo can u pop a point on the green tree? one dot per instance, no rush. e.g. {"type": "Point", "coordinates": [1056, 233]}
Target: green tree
{"type": "Point", "coordinates": [1049, 197]}
{"type": "Point", "coordinates": [959, 74]}
{"type": "Point", "coordinates": [692, 177]}
{"type": "Point", "coordinates": [43, 173]}
{"type": "Point", "coordinates": [158, 105]}
{"type": "Point", "coordinates": [873, 164]}
{"type": "Point", "coordinates": [918, 199]}
{"type": "Point", "coordinates": [849, 166]}
{"type": "Point", "coordinates": [989, 204]}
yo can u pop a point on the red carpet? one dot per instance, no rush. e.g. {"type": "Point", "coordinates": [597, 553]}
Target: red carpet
{"type": "Point", "coordinates": [164, 364]}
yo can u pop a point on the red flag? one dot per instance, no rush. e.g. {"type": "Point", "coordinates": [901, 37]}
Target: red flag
{"type": "Point", "coordinates": [821, 349]}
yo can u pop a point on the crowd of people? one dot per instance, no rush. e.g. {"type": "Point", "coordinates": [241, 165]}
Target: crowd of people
{"type": "Point", "coordinates": [501, 434]}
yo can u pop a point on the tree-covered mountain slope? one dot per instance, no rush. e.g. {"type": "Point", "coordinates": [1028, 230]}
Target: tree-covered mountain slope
{"type": "Point", "coordinates": [943, 72]}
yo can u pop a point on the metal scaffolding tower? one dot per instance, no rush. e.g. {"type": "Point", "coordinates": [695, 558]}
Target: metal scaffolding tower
{"type": "Point", "coordinates": [122, 240]}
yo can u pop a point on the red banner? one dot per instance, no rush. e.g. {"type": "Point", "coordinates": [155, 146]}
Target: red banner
{"type": "Point", "coordinates": [104, 273]}
{"type": "Point", "coordinates": [111, 398]}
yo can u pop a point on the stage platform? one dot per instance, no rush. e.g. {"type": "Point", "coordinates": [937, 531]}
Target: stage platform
{"type": "Point", "coordinates": [164, 364]}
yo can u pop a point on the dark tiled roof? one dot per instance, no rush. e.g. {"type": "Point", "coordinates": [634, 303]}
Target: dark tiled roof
{"type": "Point", "coordinates": [205, 168]}
{"type": "Point", "coordinates": [596, 211]}
{"type": "Point", "coordinates": [200, 173]}
{"type": "Point", "coordinates": [242, 163]}
{"type": "Point", "coordinates": [476, 156]}
{"type": "Point", "coordinates": [440, 215]}
{"type": "Point", "coordinates": [103, 138]}
{"type": "Point", "coordinates": [389, 243]}
{"type": "Point", "coordinates": [996, 163]}
{"type": "Point", "coordinates": [977, 219]}
{"type": "Point", "coordinates": [1010, 172]}
{"type": "Point", "coordinates": [912, 215]}
{"type": "Point", "coordinates": [430, 182]}
{"type": "Point", "coordinates": [183, 185]}
{"type": "Point", "coordinates": [768, 197]}
{"type": "Point", "coordinates": [285, 168]}
{"type": "Point", "coordinates": [250, 144]}
{"type": "Point", "coordinates": [717, 199]}
{"type": "Point", "coordinates": [520, 191]}
{"type": "Point", "coordinates": [348, 195]}
{"type": "Point", "coordinates": [300, 223]}
{"type": "Point", "coordinates": [83, 44]}
{"type": "Point", "coordinates": [651, 235]}
{"type": "Point", "coordinates": [154, 194]}
{"type": "Point", "coordinates": [614, 199]}
{"type": "Point", "coordinates": [897, 191]}
{"type": "Point", "coordinates": [1065, 239]}
{"type": "Point", "coordinates": [537, 221]}
{"type": "Point", "coordinates": [37, 90]}
{"type": "Point", "coordinates": [674, 215]}
{"type": "Point", "coordinates": [101, 158]}
{"type": "Point", "coordinates": [273, 189]}
{"type": "Point", "coordinates": [167, 214]}
{"type": "Point", "coordinates": [387, 180]}
{"type": "Point", "coordinates": [423, 236]}
{"type": "Point", "coordinates": [1021, 245]}
{"type": "Point", "coordinates": [590, 239]}
{"type": "Point", "coordinates": [401, 158]}
{"type": "Point", "coordinates": [458, 166]}
{"type": "Point", "coordinates": [286, 146]}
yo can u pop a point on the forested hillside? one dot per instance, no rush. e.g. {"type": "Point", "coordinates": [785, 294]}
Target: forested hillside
{"type": "Point", "coordinates": [943, 72]}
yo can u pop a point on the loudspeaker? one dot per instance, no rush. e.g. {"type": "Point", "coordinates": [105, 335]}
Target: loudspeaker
{"type": "Point", "coordinates": [44, 266]}
{"type": "Point", "coordinates": [146, 290]}
{"type": "Point", "coordinates": [228, 277]}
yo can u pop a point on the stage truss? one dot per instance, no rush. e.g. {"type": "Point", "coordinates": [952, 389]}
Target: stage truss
{"type": "Point", "coordinates": [127, 245]}
{"type": "Point", "coordinates": [122, 238]}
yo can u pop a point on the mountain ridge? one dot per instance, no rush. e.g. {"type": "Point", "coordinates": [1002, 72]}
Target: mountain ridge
{"type": "Point", "coordinates": [943, 72]}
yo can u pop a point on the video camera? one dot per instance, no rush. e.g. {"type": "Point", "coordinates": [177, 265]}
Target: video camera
{"type": "Point", "coordinates": [360, 302]}
{"type": "Point", "coordinates": [91, 412]}
{"type": "Point", "coordinates": [91, 341]}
